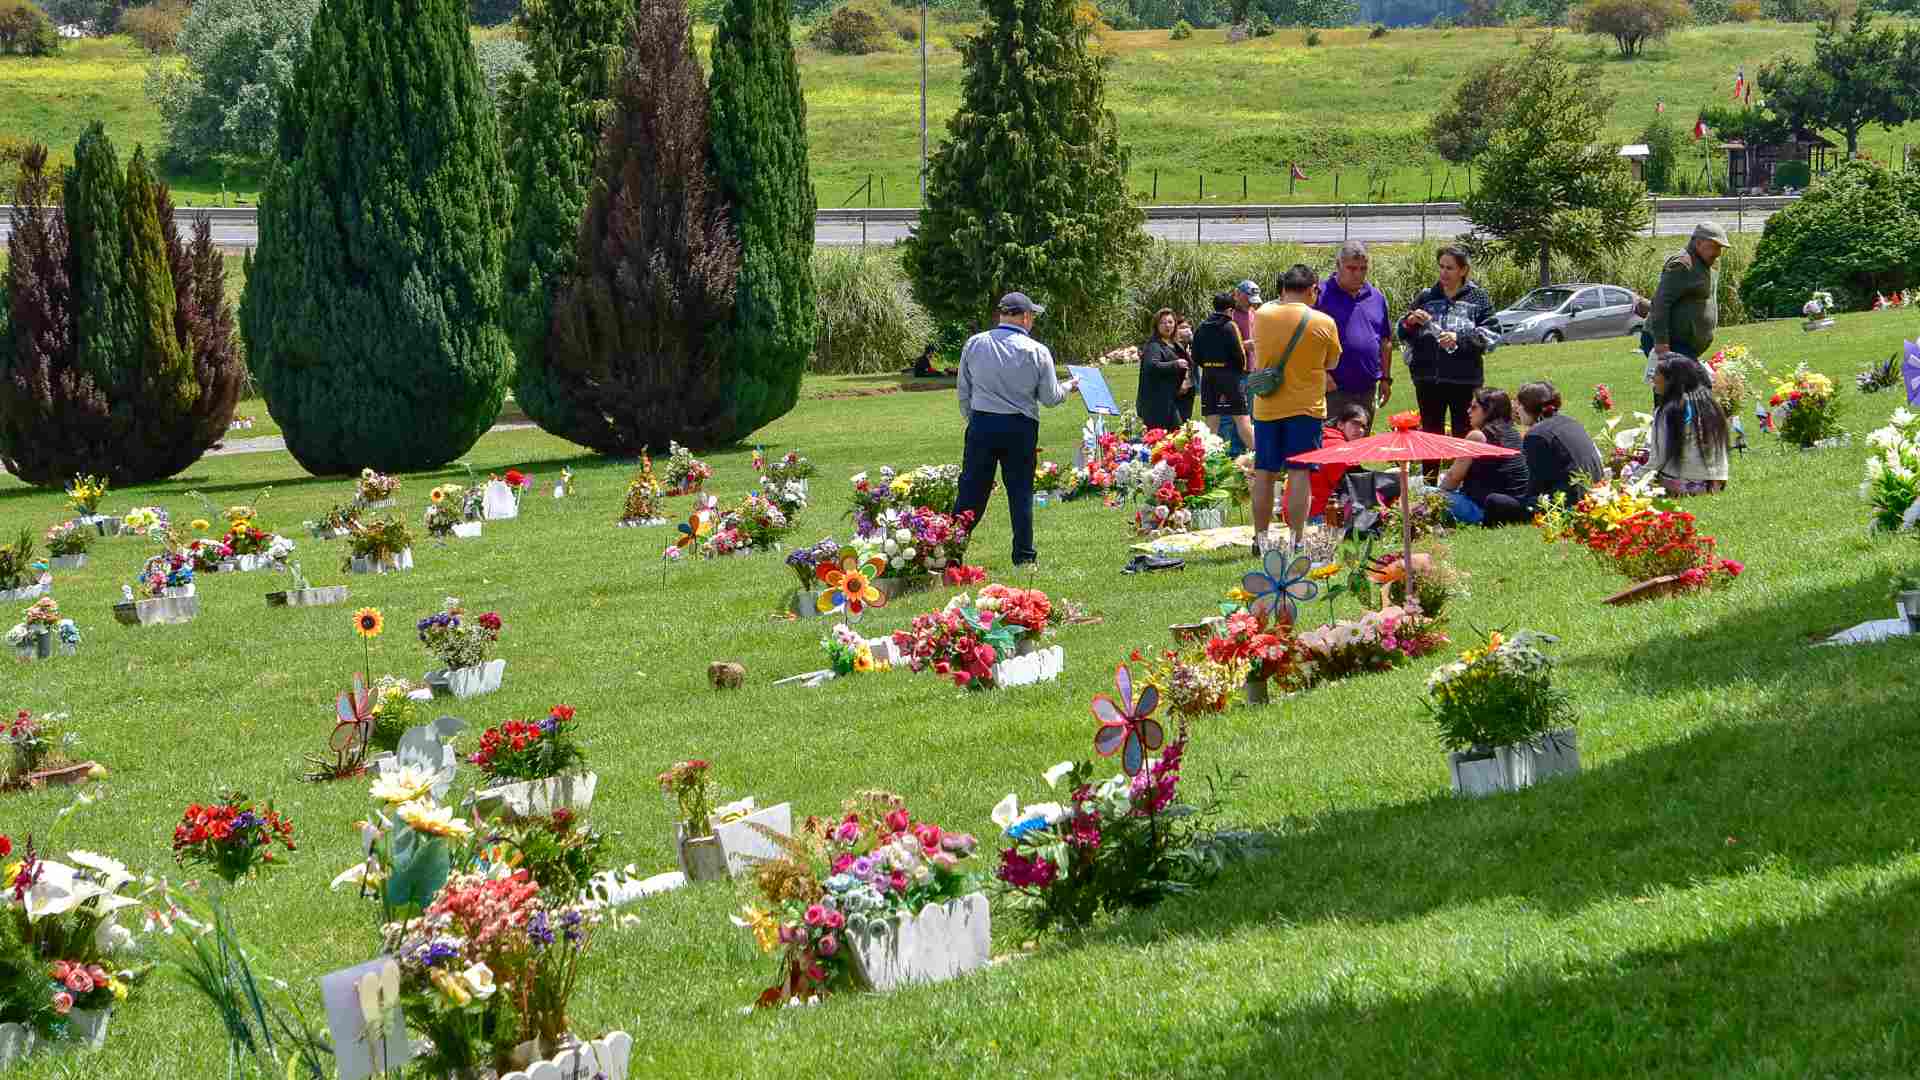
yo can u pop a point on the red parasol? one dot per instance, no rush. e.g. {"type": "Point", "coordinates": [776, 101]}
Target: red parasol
{"type": "Point", "coordinates": [1404, 443]}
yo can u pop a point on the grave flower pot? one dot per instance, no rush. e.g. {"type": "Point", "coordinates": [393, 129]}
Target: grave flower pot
{"type": "Point", "coordinates": [69, 562]}
{"type": "Point", "coordinates": [1211, 517]}
{"type": "Point", "coordinates": [467, 682]}
{"type": "Point", "coordinates": [105, 526]}
{"type": "Point", "coordinates": [742, 843]}
{"type": "Point", "coordinates": [803, 603]}
{"type": "Point", "coordinates": [159, 611]}
{"type": "Point", "coordinates": [499, 502]}
{"type": "Point", "coordinates": [535, 798]}
{"type": "Point", "coordinates": [388, 564]}
{"type": "Point", "coordinates": [1257, 692]}
{"type": "Point", "coordinates": [1027, 645]}
{"type": "Point", "coordinates": [321, 597]}
{"type": "Point", "coordinates": [1484, 771]}
{"type": "Point", "coordinates": [1038, 667]}
{"type": "Point", "coordinates": [701, 857]}
{"type": "Point", "coordinates": [467, 530]}
{"type": "Point", "coordinates": [16, 1042]}
{"type": "Point", "coordinates": [942, 941]}
{"type": "Point", "coordinates": [43, 645]}
{"type": "Point", "coordinates": [89, 1026]}
{"type": "Point", "coordinates": [1910, 610]}
{"type": "Point", "coordinates": [896, 587]}
{"type": "Point", "coordinates": [609, 1056]}
{"type": "Point", "coordinates": [378, 504]}
{"type": "Point", "coordinates": [28, 592]}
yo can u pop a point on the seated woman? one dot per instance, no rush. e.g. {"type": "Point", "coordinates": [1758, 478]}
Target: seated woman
{"type": "Point", "coordinates": [1489, 491]}
{"type": "Point", "coordinates": [1344, 424]}
{"type": "Point", "coordinates": [1561, 456]}
{"type": "Point", "coordinates": [1689, 430]}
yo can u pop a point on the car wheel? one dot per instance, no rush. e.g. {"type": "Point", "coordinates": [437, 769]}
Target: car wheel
{"type": "Point", "coordinates": [1554, 337]}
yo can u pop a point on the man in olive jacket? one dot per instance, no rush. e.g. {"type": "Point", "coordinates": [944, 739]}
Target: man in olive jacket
{"type": "Point", "coordinates": [1686, 307]}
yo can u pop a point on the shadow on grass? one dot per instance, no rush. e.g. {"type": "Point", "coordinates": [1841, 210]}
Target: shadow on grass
{"type": "Point", "coordinates": [1829, 994]}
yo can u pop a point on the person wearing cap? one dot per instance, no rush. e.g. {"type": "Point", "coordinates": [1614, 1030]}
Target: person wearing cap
{"type": "Point", "coordinates": [1246, 297]}
{"type": "Point", "coordinates": [1685, 310]}
{"type": "Point", "coordinates": [1005, 377]}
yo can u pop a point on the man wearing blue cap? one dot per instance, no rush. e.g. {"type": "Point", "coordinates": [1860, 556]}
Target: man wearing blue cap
{"type": "Point", "coordinates": [1005, 377]}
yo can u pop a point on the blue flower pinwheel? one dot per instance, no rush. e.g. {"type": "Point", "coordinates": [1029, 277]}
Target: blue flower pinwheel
{"type": "Point", "coordinates": [1279, 587]}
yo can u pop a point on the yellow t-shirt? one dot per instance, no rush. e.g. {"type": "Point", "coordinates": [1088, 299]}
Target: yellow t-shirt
{"type": "Point", "coordinates": [1305, 391]}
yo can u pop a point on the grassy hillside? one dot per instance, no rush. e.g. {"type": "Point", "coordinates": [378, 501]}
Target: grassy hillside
{"type": "Point", "coordinates": [1186, 107]}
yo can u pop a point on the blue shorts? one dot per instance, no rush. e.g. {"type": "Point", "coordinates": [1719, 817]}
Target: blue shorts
{"type": "Point", "coordinates": [1275, 442]}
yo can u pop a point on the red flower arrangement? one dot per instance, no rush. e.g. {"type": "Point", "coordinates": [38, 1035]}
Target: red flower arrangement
{"type": "Point", "coordinates": [232, 837]}
{"type": "Point", "coordinates": [1268, 653]}
{"type": "Point", "coordinates": [960, 642]}
{"type": "Point", "coordinates": [518, 479]}
{"type": "Point", "coordinates": [246, 540]}
{"type": "Point", "coordinates": [531, 749]}
{"type": "Point", "coordinates": [1025, 609]}
{"type": "Point", "coordinates": [1659, 543]}
{"type": "Point", "coordinates": [961, 574]}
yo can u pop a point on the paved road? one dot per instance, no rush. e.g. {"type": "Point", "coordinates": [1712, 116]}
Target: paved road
{"type": "Point", "coordinates": [1218, 231]}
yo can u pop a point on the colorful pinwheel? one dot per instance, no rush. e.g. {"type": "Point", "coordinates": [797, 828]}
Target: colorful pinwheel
{"type": "Point", "coordinates": [1279, 587]}
{"type": "Point", "coordinates": [353, 715]}
{"type": "Point", "coordinates": [1127, 727]}
{"type": "Point", "coordinates": [849, 584]}
{"type": "Point", "coordinates": [698, 524]}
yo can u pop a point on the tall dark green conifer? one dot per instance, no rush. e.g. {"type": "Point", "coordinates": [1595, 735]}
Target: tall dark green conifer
{"type": "Point", "coordinates": [760, 161]}
{"type": "Point", "coordinates": [373, 302]}
{"type": "Point", "coordinates": [1028, 190]}
{"type": "Point", "coordinates": [106, 331]}
{"type": "Point", "coordinates": [162, 359]}
{"type": "Point", "coordinates": [551, 118]}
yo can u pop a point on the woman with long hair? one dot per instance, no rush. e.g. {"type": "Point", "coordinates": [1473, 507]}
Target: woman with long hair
{"type": "Point", "coordinates": [1448, 334]}
{"type": "Point", "coordinates": [1689, 429]}
{"type": "Point", "coordinates": [1162, 367]}
{"type": "Point", "coordinates": [1490, 491]}
{"type": "Point", "coordinates": [1561, 457]}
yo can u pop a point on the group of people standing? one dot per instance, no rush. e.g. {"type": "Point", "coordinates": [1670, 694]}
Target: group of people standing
{"type": "Point", "coordinates": [1286, 376]}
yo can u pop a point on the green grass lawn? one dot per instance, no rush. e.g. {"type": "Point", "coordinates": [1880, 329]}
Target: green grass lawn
{"type": "Point", "coordinates": [1186, 108]}
{"type": "Point", "coordinates": [1730, 888]}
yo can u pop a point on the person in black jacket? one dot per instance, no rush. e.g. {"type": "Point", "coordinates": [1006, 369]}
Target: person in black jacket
{"type": "Point", "coordinates": [1190, 379]}
{"type": "Point", "coordinates": [1161, 372]}
{"type": "Point", "coordinates": [1448, 334]}
{"type": "Point", "coordinates": [1561, 457]}
{"type": "Point", "coordinates": [1221, 356]}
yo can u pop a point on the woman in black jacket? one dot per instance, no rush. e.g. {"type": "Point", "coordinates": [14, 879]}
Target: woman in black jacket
{"type": "Point", "coordinates": [1448, 334]}
{"type": "Point", "coordinates": [1561, 457]}
{"type": "Point", "coordinates": [1161, 370]}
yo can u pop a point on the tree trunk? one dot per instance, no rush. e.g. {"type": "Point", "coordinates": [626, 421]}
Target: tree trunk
{"type": "Point", "coordinates": [1544, 271]}
{"type": "Point", "coordinates": [1853, 143]}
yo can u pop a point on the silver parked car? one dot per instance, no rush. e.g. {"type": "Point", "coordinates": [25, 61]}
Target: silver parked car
{"type": "Point", "coordinates": [1569, 313]}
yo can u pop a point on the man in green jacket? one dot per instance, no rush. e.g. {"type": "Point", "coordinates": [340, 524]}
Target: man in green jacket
{"type": "Point", "coordinates": [1686, 307]}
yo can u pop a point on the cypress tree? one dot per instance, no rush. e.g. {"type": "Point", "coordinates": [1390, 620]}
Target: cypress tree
{"type": "Point", "coordinates": [638, 349]}
{"type": "Point", "coordinates": [162, 359]}
{"type": "Point", "coordinates": [551, 117]}
{"type": "Point", "coordinates": [1028, 190]}
{"type": "Point", "coordinates": [106, 325]}
{"type": "Point", "coordinates": [760, 161]}
{"type": "Point", "coordinates": [373, 301]}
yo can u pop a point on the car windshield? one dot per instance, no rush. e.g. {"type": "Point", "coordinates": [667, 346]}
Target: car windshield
{"type": "Point", "coordinates": [1543, 300]}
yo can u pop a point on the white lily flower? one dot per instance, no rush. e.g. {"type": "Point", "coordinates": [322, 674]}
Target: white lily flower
{"type": "Point", "coordinates": [113, 871]}
{"type": "Point", "coordinates": [479, 981]}
{"type": "Point", "coordinates": [1006, 812]}
{"type": "Point", "coordinates": [1054, 774]}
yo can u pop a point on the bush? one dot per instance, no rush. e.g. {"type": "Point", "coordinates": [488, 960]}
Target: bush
{"type": "Point", "coordinates": [1379, 31]}
{"type": "Point", "coordinates": [1745, 11]}
{"type": "Point", "coordinates": [1856, 232]}
{"type": "Point", "coordinates": [1262, 25]}
{"type": "Point", "coordinates": [1665, 142]}
{"type": "Point", "coordinates": [26, 30]}
{"type": "Point", "coordinates": [1792, 174]}
{"type": "Point", "coordinates": [853, 29]}
{"type": "Point", "coordinates": [1312, 39]}
{"type": "Point", "coordinates": [1182, 30]}
{"type": "Point", "coordinates": [238, 61]}
{"type": "Point", "coordinates": [869, 321]}
{"type": "Point", "coordinates": [155, 26]}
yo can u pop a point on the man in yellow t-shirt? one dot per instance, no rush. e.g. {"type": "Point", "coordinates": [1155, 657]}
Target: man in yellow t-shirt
{"type": "Point", "coordinates": [1289, 421]}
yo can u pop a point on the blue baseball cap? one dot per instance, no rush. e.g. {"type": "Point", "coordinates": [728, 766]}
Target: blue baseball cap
{"type": "Point", "coordinates": [1017, 303]}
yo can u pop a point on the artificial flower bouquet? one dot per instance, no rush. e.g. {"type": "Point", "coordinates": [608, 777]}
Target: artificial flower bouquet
{"type": "Point", "coordinates": [1432, 514]}
{"type": "Point", "coordinates": [39, 627]}
{"type": "Point", "coordinates": [1733, 371]}
{"type": "Point", "coordinates": [806, 562]}
{"type": "Point", "coordinates": [1638, 534]}
{"type": "Point", "coordinates": [60, 942]}
{"type": "Point", "coordinates": [458, 640]}
{"type": "Point", "coordinates": [1499, 693]}
{"type": "Point", "coordinates": [145, 521]}
{"type": "Point", "coordinates": [642, 503]}
{"type": "Point", "coordinates": [931, 487]}
{"type": "Point", "coordinates": [1628, 447]}
{"type": "Point", "coordinates": [1197, 458]}
{"type": "Point", "coordinates": [1602, 398]}
{"type": "Point", "coordinates": [1882, 375]}
{"type": "Point", "coordinates": [1049, 477]}
{"type": "Point", "coordinates": [1266, 653]}
{"type": "Point", "coordinates": [85, 494]}
{"type": "Point", "coordinates": [16, 563]}
{"type": "Point", "coordinates": [1803, 409]}
{"type": "Point", "coordinates": [374, 487]}
{"type": "Point", "coordinates": [1376, 641]}
{"type": "Point", "coordinates": [452, 504]}
{"type": "Point", "coordinates": [339, 521]}
{"type": "Point", "coordinates": [1817, 308]}
{"type": "Point", "coordinates": [1027, 612]}
{"type": "Point", "coordinates": [1196, 682]}
{"type": "Point", "coordinates": [757, 524]}
{"type": "Point", "coordinates": [848, 653]}
{"type": "Point", "coordinates": [685, 473]}
{"type": "Point", "coordinates": [775, 472]}
{"type": "Point", "coordinates": [917, 543]}
{"type": "Point", "coordinates": [960, 642]}
{"type": "Point", "coordinates": [839, 884]}
{"type": "Point", "coordinates": [207, 555]}
{"type": "Point", "coordinates": [521, 750]}
{"type": "Point", "coordinates": [1892, 484]}
{"type": "Point", "coordinates": [232, 836]}
{"type": "Point", "coordinates": [961, 575]}
{"type": "Point", "coordinates": [69, 538]}
{"type": "Point", "coordinates": [33, 743]}
{"type": "Point", "coordinates": [381, 542]}
{"type": "Point", "coordinates": [169, 573]}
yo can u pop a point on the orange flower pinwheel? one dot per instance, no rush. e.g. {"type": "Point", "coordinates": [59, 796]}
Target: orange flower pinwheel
{"type": "Point", "coordinates": [849, 584]}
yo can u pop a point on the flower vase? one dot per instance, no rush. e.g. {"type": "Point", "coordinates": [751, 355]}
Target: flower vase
{"type": "Point", "coordinates": [1210, 517]}
{"type": "Point", "coordinates": [1910, 610]}
{"type": "Point", "coordinates": [43, 645]}
{"type": "Point", "coordinates": [1257, 691]}
{"type": "Point", "coordinates": [158, 611]}
{"type": "Point", "coordinates": [320, 597]}
{"type": "Point", "coordinates": [535, 798]}
{"type": "Point", "coordinates": [1484, 771]}
{"type": "Point", "coordinates": [105, 526]}
{"type": "Point", "coordinates": [16, 1042]}
{"type": "Point", "coordinates": [804, 603]}
{"type": "Point", "coordinates": [1044, 665]}
{"type": "Point", "coordinates": [943, 941]}
{"type": "Point", "coordinates": [26, 592]}
{"type": "Point", "coordinates": [605, 1058]}
{"type": "Point", "coordinates": [701, 857]}
{"type": "Point", "coordinates": [89, 1026]}
{"type": "Point", "coordinates": [69, 562]}
{"type": "Point", "coordinates": [467, 682]}
{"type": "Point", "coordinates": [896, 587]}
{"type": "Point", "coordinates": [385, 564]}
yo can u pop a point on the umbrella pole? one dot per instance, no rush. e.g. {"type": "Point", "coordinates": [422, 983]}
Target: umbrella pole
{"type": "Point", "coordinates": [1406, 527]}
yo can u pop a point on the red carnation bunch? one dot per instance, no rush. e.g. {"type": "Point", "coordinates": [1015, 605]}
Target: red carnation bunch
{"type": "Point", "coordinates": [531, 749]}
{"type": "Point", "coordinates": [233, 837]}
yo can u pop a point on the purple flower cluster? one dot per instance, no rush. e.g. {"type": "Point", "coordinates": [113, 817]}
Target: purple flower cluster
{"type": "Point", "coordinates": [439, 621]}
{"type": "Point", "coordinates": [539, 929]}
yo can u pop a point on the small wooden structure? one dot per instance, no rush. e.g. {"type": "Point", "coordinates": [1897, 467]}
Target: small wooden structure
{"type": "Point", "coordinates": [1637, 155]}
{"type": "Point", "coordinates": [1750, 168]}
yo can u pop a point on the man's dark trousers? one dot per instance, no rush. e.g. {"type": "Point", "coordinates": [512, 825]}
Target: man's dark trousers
{"type": "Point", "coordinates": [1012, 442]}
